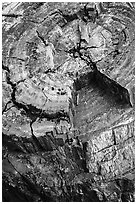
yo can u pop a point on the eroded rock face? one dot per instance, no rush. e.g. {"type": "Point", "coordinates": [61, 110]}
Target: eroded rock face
{"type": "Point", "coordinates": [68, 101]}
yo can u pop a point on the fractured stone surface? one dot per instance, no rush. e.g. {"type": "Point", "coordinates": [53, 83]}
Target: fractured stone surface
{"type": "Point", "coordinates": [68, 101]}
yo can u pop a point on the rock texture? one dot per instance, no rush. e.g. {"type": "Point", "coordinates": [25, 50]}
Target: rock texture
{"type": "Point", "coordinates": [68, 101]}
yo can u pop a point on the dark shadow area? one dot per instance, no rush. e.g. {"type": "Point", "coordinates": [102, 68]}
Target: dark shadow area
{"type": "Point", "coordinates": [107, 86]}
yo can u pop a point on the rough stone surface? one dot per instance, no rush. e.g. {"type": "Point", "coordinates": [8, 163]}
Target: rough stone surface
{"type": "Point", "coordinates": [68, 101]}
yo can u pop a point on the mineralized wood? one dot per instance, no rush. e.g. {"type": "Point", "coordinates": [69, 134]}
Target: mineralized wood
{"type": "Point", "coordinates": [68, 101]}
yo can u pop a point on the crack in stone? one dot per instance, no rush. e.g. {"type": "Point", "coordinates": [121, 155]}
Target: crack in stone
{"type": "Point", "coordinates": [114, 137]}
{"type": "Point", "coordinates": [35, 138]}
{"type": "Point", "coordinates": [12, 15]}
{"type": "Point", "coordinates": [5, 109]}
{"type": "Point", "coordinates": [41, 38]}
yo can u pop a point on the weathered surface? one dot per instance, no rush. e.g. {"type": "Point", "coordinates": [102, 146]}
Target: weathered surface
{"type": "Point", "coordinates": [68, 101]}
{"type": "Point", "coordinates": [115, 155]}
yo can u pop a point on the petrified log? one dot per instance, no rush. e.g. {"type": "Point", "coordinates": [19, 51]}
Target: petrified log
{"type": "Point", "coordinates": [68, 101]}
